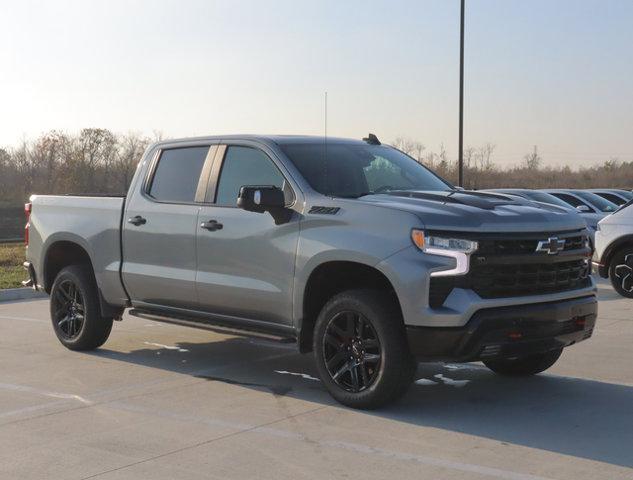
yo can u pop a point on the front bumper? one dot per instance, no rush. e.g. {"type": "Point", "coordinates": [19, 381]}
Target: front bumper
{"type": "Point", "coordinates": [506, 332]}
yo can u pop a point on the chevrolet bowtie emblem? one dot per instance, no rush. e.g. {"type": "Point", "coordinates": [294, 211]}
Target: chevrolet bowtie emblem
{"type": "Point", "coordinates": [552, 245]}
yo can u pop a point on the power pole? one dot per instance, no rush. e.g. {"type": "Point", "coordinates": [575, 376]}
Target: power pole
{"type": "Point", "coordinates": [461, 97]}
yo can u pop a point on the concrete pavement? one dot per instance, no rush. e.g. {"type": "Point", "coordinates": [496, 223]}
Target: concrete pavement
{"type": "Point", "coordinates": [166, 402]}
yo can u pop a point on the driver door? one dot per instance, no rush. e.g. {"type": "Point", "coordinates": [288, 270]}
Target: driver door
{"type": "Point", "coordinates": [245, 261]}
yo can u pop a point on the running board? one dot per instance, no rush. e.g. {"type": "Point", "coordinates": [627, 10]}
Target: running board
{"type": "Point", "coordinates": [209, 325]}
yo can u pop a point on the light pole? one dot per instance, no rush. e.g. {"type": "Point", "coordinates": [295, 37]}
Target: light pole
{"type": "Point", "coordinates": [460, 158]}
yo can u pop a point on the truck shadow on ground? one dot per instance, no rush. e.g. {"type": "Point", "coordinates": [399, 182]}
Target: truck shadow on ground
{"type": "Point", "coordinates": [571, 416]}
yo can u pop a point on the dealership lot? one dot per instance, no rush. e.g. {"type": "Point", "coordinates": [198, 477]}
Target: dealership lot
{"type": "Point", "coordinates": [170, 402]}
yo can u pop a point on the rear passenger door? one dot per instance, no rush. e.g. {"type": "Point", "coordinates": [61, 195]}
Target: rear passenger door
{"type": "Point", "coordinates": [160, 226]}
{"type": "Point", "coordinates": [246, 267]}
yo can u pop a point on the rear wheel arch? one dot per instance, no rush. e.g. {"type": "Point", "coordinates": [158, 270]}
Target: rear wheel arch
{"type": "Point", "coordinates": [64, 253]}
{"type": "Point", "coordinates": [331, 278]}
{"type": "Point", "coordinates": [60, 254]}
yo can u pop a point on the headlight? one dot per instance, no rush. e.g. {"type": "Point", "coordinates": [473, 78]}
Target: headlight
{"type": "Point", "coordinates": [457, 248]}
{"type": "Point", "coordinates": [427, 242]}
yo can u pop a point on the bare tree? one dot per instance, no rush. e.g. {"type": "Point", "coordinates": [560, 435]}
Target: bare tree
{"type": "Point", "coordinates": [96, 146]}
{"type": "Point", "coordinates": [410, 147]}
{"type": "Point", "coordinates": [533, 160]}
{"type": "Point", "coordinates": [127, 158]}
{"type": "Point", "coordinates": [483, 156]}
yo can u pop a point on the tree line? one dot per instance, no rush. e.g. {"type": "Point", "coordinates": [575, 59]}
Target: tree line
{"type": "Point", "coordinates": [95, 160]}
{"type": "Point", "coordinates": [480, 170]}
{"type": "Point", "coordinates": [99, 161]}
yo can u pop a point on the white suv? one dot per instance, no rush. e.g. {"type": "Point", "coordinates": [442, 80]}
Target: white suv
{"type": "Point", "coordinates": [613, 255]}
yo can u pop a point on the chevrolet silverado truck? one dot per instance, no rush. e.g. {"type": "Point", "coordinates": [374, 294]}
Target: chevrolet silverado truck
{"type": "Point", "coordinates": [350, 248]}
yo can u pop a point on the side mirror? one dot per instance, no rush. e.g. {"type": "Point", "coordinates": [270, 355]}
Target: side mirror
{"type": "Point", "coordinates": [264, 198]}
{"type": "Point", "coordinates": [583, 209]}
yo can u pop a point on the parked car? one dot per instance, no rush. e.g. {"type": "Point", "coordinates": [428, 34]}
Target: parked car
{"type": "Point", "coordinates": [351, 249]}
{"type": "Point", "coordinates": [591, 207]}
{"type": "Point", "coordinates": [616, 196]}
{"type": "Point", "coordinates": [536, 196]}
{"type": "Point", "coordinates": [540, 196]}
{"type": "Point", "coordinates": [613, 257]}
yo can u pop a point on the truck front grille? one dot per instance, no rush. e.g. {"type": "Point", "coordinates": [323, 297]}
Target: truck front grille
{"type": "Point", "coordinates": [529, 279]}
{"type": "Point", "coordinates": [508, 265]}
{"type": "Point", "coordinates": [513, 246]}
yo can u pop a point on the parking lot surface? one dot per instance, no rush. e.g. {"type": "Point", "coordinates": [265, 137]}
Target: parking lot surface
{"type": "Point", "coordinates": [161, 401]}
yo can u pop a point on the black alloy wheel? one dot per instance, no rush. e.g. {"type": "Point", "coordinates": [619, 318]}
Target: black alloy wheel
{"type": "Point", "coordinates": [623, 273]}
{"type": "Point", "coordinates": [352, 351]}
{"type": "Point", "coordinates": [75, 309]}
{"type": "Point", "coordinates": [361, 348]}
{"type": "Point", "coordinates": [68, 309]}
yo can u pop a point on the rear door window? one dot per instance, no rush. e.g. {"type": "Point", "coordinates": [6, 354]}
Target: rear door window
{"type": "Point", "coordinates": [177, 174]}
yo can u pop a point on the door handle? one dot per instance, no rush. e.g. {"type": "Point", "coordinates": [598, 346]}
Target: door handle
{"type": "Point", "coordinates": [211, 225]}
{"type": "Point", "coordinates": [137, 220]}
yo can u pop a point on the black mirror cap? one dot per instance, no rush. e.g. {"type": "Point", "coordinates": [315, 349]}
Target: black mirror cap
{"type": "Point", "coordinates": [265, 198]}
{"type": "Point", "coordinates": [260, 198]}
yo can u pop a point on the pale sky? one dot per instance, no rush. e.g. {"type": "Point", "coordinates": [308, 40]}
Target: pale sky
{"type": "Point", "coordinates": [556, 73]}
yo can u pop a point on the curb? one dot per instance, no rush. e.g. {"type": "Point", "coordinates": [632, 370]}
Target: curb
{"type": "Point", "coordinates": [20, 294]}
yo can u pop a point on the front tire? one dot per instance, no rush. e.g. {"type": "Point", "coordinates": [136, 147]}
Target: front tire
{"type": "Point", "coordinates": [75, 310]}
{"type": "Point", "coordinates": [621, 272]}
{"type": "Point", "coordinates": [361, 349]}
{"type": "Point", "coordinates": [524, 366]}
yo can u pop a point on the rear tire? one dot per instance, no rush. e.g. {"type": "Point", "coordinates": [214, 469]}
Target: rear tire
{"type": "Point", "coordinates": [621, 272]}
{"type": "Point", "coordinates": [361, 350]}
{"type": "Point", "coordinates": [75, 309]}
{"type": "Point", "coordinates": [524, 366]}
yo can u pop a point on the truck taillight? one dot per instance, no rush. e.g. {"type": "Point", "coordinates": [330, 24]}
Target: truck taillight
{"type": "Point", "coordinates": [27, 212]}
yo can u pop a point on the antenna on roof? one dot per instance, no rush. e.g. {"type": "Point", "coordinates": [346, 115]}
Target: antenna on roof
{"type": "Point", "coordinates": [325, 143]}
{"type": "Point", "coordinates": [372, 139]}
{"type": "Point", "coordinates": [325, 118]}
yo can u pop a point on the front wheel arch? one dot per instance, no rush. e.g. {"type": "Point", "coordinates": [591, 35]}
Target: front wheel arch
{"type": "Point", "coordinates": [331, 278]}
{"type": "Point", "coordinates": [614, 248]}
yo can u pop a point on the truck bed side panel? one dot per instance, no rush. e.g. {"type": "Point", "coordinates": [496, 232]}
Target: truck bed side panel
{"type": "Point", "coordinates": [91, 222]}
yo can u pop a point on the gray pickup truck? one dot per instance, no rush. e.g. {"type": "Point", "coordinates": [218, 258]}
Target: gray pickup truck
{"type": "Point", "coordinates": [349, 248]}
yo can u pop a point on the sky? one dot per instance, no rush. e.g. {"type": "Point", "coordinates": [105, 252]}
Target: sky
{"type": "Point", "coordinates": [552, 73]}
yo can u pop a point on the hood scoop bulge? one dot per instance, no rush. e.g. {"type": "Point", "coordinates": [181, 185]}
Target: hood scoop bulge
{"type": "Point", "coordinates": [486, 201]}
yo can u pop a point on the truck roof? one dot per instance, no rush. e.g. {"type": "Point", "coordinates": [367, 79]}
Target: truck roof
{"type": "Point", "coordinates": [275, 139]}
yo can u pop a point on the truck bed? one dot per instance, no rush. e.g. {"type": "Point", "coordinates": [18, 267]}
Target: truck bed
{"type": "Point", "coordinates": [93, 222]}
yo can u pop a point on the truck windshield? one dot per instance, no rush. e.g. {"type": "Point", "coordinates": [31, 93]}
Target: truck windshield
{"type": "Point", "coordinates": [353, 170]}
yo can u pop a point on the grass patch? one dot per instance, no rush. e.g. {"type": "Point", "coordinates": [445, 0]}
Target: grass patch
{"type": "Point", "coordinates": [12, 255]}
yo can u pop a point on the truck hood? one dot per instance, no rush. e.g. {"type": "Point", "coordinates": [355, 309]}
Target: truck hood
{"type": "Point", "coordinates": [469, 211]}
